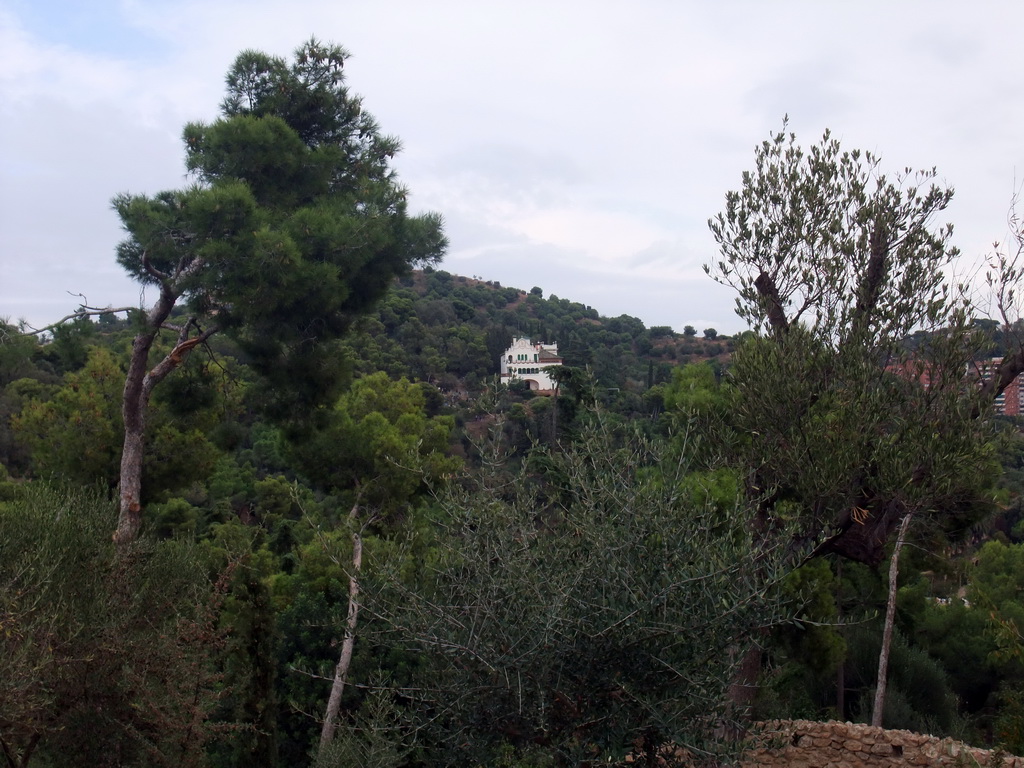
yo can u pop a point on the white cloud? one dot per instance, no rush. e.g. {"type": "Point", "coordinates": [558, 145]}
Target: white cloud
{"type": "Point", "coordinates": [585, 141]}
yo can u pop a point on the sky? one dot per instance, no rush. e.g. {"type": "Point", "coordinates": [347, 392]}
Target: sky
{"type": "Point", "coordinates": [576, 146]}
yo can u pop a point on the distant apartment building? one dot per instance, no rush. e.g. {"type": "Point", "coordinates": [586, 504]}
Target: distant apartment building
{"type": "Point", "coordinates": [531, 362]}
{"type": "Point", "coordinates": [1008, 403]}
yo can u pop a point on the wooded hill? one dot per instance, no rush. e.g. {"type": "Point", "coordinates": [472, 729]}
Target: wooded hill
{"type": "Point", "coordinates": [338, 541]}
{"type": "Point", "coordinates": [442, 330]}
{"type": "Point", "coordinates": [422, 392]}
{"type": "Point", "coordinates": [450, 330]}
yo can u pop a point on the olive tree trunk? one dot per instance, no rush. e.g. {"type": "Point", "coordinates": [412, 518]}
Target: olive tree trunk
{"type": "Point", "coordinates": [890, 616]}
{"type": "Point", "coordinates": [345, 659]}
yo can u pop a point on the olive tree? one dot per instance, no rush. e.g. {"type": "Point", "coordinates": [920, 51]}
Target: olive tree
{"type": "Point", "coordinates": [294, 225]}
{"type": "Point", "coordinates": [582, 608]}
{"type": "Point", "coordinates": [854, 386]}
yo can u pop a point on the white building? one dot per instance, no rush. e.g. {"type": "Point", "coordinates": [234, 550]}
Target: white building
{"type": "Point", "coordinates": [531, 363]}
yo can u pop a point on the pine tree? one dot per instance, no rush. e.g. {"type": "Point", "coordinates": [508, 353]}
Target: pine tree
{"type": "Point", "coordinates": [295, 225]}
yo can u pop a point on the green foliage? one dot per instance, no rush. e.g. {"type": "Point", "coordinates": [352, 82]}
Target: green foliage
{"type": "Point", "coordinates": [997, 589]}
{"type": "Point", "coordinates": [694, 390]}
{"type": "Point", "coordinates": [248, 708]}
{"type": "Point", "coordinates": [68, 350]}
{"type": "Point", "coordinates": [104, 660]}
{"type": "Point", "coordinates": [16, 355]}
{"type": "Point", "coordinates": [973, 636]}
{"type": "Point", "coordinates": [954, 634]}
{"type": "Point", "coordinates": [698, 416]}
{"type": "Point", "coordinates": [804, 653]}
{"type": "Point", "coordinates": [377, 451]}
{"type": "Point", "coordinates": [812, 223]}
{"type": "Point", "coordinates": [77, 432]}
{"type": "Point", "coordinates": [297, 224]}
{"type": "Point", "coordinates": [174, 518]}
{"type": "Point", "coordinates": [836, 265]}
{"type": "Point", "coordinates": [451, 331]}
{"type": "Point", "coordinates": [581, 609]}
{"type": "Point", "coordinates": [919, 697]}
{"type": "Point", "coordinates": [1009, 724]}
{"type": "Point", "coordinates": [175, 459]}
{"type": "Point", "coordinates": [847, 426]}
{"type": "Point", "coordinates": [375, 738]}
{"type": "Point", "coordinates": [997, 580]}
{"type": "Point", "coordinates": [379, 444]}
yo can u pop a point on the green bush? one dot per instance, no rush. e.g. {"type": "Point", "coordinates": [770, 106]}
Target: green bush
{"type": "Point", "coordinates": [576, 612]}
{"type": "Point", "coordinates": [106, 658]}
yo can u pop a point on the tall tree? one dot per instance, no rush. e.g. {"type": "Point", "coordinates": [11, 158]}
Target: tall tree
{"type": "Point", "coordinates": [294, 226]}
{"type": "Point", "coordinates": [851, 430]}
{"type": "Point", "coordinates": [836, 266]}
{"type": "Point", "coordinates": [380, 449]}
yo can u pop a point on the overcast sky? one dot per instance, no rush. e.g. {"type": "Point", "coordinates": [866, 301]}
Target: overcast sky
{"type": "Point", "coordinates": [576, 146]}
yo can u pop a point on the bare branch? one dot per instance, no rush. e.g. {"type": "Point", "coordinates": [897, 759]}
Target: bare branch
{"type": "Point", "coordinates": [311, 675]}
{"type": "Point", "coordinates": [79, 314]}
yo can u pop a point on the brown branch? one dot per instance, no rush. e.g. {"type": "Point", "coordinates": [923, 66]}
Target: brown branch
{"type": "Point", "coordinates": [176, 356]}
{"type": "Point", "coordinates": [773, 304]}
{"type": "Point", "coordinates": [311, 676]}
{"type": "Point", "coordinates": [151, 270]}
{"type": "Point", "coordinates": [80, 313]}
{"type": "Point", "coordinates": [874, 275]}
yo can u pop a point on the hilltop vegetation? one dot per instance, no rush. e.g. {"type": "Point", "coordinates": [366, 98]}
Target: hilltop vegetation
{"type": "Point", "coordinates": [450, 330]}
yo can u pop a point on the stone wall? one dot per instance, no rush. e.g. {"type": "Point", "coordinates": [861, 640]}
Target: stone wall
{"type": "Point", "coordinates": [806, 744]}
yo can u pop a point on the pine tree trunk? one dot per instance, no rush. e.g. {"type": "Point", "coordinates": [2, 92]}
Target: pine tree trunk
{"type": "Point", "coordinates": [345, 660]}
{"type": "Point", "coordinates": [138, 387]}
{"type": "Point", "coordinates": [890, 616]}
{"type": "Point", "coordinates": [134, 402]}
{"type": "Point", "coordinates": [129, 519]}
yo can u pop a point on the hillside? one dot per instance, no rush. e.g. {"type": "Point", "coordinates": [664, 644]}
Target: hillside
{"type": "Point", "coordinates": [416, 413]}
{"type": "Point", "coordinates": [449, 330]}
